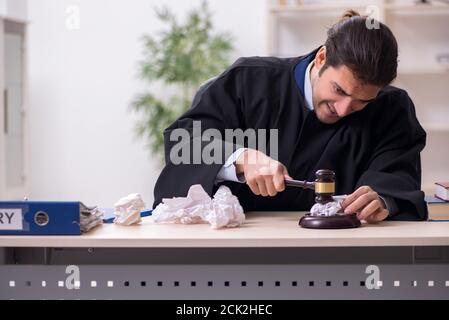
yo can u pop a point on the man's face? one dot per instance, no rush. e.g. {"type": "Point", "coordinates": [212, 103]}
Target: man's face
{"type": "Point", "coordinates": [336, 93]}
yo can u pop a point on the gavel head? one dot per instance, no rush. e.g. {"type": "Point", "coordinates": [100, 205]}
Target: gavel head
{"type": "Point", "coordinates": [324, 186]}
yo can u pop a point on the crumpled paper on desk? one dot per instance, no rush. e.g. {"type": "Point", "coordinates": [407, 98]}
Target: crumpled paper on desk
{"type": "Point", "coordinates": [224, 210]}
{"type": "Point", "coordinates": [329, 209]}
{"type": "Point", "coordinates": [127, 210]}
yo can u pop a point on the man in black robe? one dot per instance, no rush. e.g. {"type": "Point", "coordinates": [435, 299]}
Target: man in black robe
{"type": "Point", "coordinates": [332, 108]}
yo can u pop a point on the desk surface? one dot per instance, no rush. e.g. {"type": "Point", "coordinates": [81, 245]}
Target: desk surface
{"type": "Point", "coordinates": [261, 229]}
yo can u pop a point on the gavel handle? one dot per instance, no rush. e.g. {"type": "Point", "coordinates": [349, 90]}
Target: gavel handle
{"type": "Point", "coordinates": [300, 184]}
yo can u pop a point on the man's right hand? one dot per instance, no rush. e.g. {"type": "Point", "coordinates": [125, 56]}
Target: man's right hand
{"type": "Point", "coordinates": [264, 175]}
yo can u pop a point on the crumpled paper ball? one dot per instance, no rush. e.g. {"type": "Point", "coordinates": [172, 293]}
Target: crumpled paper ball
{"type": "Point", "coordinates": [224, 210]}
{"type": "Point", "coordinates": [227, 211]}
{"type": "Point", "coordinates": [127, 210]}
{"type": "Point", "coordinates": [329, 209]}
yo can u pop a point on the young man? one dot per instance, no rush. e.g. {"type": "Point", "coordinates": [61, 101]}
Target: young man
{"type": "Point", "coordinates": [333, 109]}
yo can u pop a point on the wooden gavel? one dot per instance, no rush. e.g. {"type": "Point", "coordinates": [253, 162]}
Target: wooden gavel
{"type": "Point", "coordinates": [324, 185]}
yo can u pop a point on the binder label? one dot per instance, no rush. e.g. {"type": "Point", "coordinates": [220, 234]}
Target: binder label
{"type": "Point", "coordinates": [11, 219]}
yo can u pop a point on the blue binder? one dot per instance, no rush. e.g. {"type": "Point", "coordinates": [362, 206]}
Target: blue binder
{"type": "Point", "coordinates": [41, 218]}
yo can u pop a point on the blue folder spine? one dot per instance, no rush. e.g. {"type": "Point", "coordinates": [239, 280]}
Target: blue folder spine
{"type": "Point", "coordinates": [63, 218]}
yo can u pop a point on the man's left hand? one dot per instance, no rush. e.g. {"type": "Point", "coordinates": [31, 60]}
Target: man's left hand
{"type": "Point", "coordinates": [367, 204]}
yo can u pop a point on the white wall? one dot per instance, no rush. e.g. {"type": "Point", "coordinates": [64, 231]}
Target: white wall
{"type": "Point", "coordinates": [82, 142]}
{"type": "Point", "coordinates": [15, 9]}
{"type": "Point", "coordinates": [3, 8]}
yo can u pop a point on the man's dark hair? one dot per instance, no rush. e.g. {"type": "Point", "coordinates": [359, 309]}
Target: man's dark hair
{"type": "Point", "coordinates": [370, 53]}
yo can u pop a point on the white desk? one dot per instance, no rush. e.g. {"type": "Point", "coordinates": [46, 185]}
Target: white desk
{"type": "Point", "coordinates": [269, 257]}
{"type": "Point", "coordinates": [261, 229]}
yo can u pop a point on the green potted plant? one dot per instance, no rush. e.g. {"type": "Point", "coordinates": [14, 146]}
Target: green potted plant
{"type": "Point", "coordinates": [182, 58]}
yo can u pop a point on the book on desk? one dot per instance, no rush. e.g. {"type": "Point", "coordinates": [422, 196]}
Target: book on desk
{"type": "Point", "coordinates": [438, 209]}
{"type": "Point", "coordinates": [442, 190]}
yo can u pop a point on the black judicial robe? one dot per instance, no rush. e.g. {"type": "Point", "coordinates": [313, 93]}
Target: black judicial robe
{"type": "Point", "coordinates": [379, 146]}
